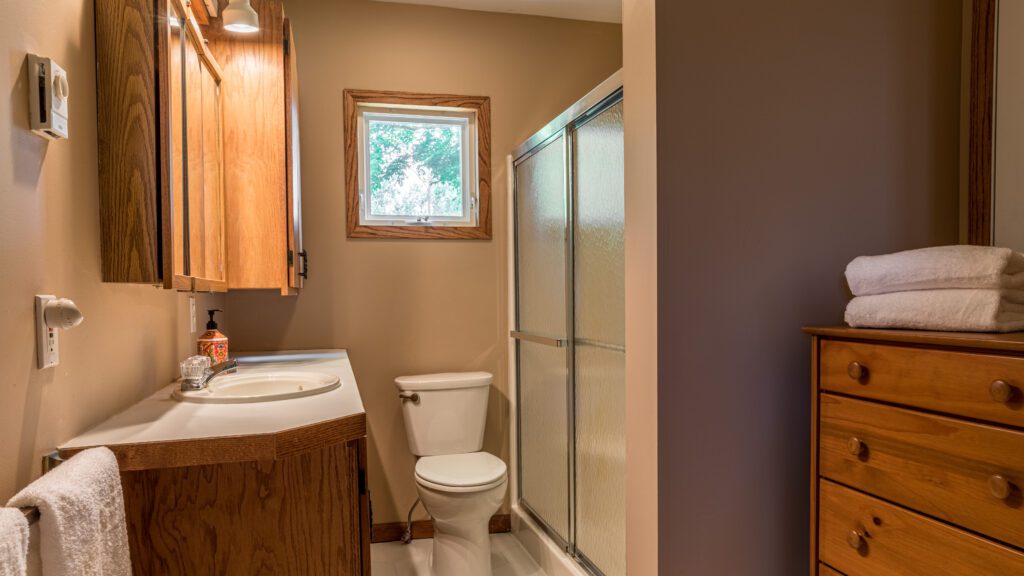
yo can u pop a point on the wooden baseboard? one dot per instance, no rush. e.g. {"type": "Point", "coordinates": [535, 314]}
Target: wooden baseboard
{"type": "Point", "coordinates": [392, 531]}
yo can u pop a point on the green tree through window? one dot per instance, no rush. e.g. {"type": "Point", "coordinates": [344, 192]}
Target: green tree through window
{"type": "Point", "coordinates": [415, 169]}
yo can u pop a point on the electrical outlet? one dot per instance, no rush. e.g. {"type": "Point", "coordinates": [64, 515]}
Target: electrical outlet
{"type": "Point", "coordinates": [47, 342]}
{"type": "Point", "coordinates": [192, 313]}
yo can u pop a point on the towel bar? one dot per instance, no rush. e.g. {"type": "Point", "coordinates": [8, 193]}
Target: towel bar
{"type": "Point", "coordinates": [50, 461]}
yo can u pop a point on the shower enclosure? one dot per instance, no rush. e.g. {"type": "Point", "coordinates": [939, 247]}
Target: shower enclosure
{"type": "Point", "coordinates": [569, 330]}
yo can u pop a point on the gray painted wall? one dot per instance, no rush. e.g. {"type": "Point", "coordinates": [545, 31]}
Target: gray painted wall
{"type": "Point", "coordinates": [793, 135]}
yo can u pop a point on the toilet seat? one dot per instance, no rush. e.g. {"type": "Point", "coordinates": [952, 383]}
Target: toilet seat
{"type": "Point", "coordinates": [472, 472]}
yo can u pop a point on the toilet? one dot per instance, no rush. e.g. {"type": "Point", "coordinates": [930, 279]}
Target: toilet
{"type": "Point", "coordinates": [460, 486]}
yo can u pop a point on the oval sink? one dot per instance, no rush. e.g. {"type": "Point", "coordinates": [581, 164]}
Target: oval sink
{"type": "Point", "coordinates": [261, 387]}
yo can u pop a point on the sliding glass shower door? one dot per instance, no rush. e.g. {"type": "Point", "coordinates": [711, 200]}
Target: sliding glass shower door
{"type": "Point", "coordinates": [569, 226]}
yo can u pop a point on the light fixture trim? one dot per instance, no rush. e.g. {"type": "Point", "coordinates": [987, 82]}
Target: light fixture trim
{"type": "Point", "coordinates": [240, 17]}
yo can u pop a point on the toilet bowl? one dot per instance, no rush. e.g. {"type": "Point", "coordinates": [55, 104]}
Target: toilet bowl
{"type": "Point", "coordinates": [461, 492]}
{"type": "Point", "coordinates": [460, 486]}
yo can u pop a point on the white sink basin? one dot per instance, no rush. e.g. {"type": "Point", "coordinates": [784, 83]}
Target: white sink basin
{"type": "Point", "coordinates": [261, 387]}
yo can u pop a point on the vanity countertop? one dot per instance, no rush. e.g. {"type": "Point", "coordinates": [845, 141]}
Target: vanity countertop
{"type": "Point", "coordinates": [161, 432]}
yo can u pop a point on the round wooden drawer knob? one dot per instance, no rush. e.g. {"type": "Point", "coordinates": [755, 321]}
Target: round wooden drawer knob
{"type": "Point", "coordinates": [855, 539]}
{"type": "Point", "coordinates": [1002, 391]}
{"type": "Point", "coordinates": [857, 371]}
{"type": "Point", "coordinates": [1000, 487]}
{"type": "Point", "coordinates": [856, 446]}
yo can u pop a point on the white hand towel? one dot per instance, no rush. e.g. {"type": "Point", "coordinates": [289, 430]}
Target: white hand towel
{"type": "Point", "coordinates": [944, 310]}
{"type": "Point", "coordinates": [82, 527]}
{"type": "Point", "coordinates": [13, 542]}
{"type": "Point", "coordinates": [940, 267]}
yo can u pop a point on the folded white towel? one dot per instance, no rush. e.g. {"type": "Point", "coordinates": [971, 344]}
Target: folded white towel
{"type": "Point", "coordinates": [82, 527]}
{"type": "Point", "coordinates": [936, 268]}
{"type": "Point", "coordinates": [13, 542]}
{"type": "Point", "coordinates": [944, 310]}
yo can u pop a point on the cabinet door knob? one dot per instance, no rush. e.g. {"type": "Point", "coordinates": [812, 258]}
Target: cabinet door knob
{"type": "Point", "coordinates": [855, 539]}
{"type": "Point", "coordinates": [1002, 391]}
{"type": "Point", "coordinates": [856, 446]}
{"type": "Point", "coordinates": [1000, 487]}
{"type": "Point", "coordinates": [857, 371]}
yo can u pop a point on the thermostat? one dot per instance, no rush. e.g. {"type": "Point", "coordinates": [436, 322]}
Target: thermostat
{"type": "Point", "coordinates": [48, 91]}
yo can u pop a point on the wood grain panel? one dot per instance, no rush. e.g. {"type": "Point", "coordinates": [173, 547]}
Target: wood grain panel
{"type": "Point", "coordinates": [936, 465]}
{"type": "Point", "coordinates": [953, 382]}
{"type": "Point", "coordinates": [482, 106]}
{"type": "Point", "coordinates": [195, 196]}
{"type": "Point", "coordinates": [393, 531]}
{"type": "Point", "coordinates": [825, 570]}
{"type": "Point", "coordinates": [254, 137]}
{"type": "Point", "coordinates": [296, 516]}
{"type": "Point", "coordinates": [1010, 342]}
{"type": "Point", "coordinates": [127, 131]}
{"type": "Point", "coordinates": [981, 122]}
{"type": "Point", "coordinates": [898, 542]}
{"type": "Point", "coordinates": [248, 448]}
{"type": "Point", "coordinates": [815, 347]}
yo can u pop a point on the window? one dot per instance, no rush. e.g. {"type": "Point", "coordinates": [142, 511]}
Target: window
{"type": "Point", "coordinates": [418, 165]}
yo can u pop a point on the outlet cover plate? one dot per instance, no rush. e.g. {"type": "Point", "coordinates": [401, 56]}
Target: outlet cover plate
{"type": "Point", "coordinates": [47, 342]}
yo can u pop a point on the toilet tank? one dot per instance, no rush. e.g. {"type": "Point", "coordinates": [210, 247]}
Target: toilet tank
{"type": "Point", "coordinates": [445, 413]}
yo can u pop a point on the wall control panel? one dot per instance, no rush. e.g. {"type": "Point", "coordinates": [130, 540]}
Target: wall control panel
{"type": "Point", "coordinates": [48, 92]}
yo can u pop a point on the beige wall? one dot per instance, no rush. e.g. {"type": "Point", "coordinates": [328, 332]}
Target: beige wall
{"type": "Point", "coordinates": [639, 71]}
{"type": "Point", "coordinates": [792, 137]}
{"type": "Point", "coordinates": [407, 307]}
{"type": "Point", "coordinates": [133, 336]}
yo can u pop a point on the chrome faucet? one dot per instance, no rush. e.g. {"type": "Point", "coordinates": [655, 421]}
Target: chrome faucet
{"type": "Point", "coordinates": [212, 372]}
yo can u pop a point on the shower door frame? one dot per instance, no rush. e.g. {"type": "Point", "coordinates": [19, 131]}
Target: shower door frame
{"type": "Point", "coordinates": [606, 95]}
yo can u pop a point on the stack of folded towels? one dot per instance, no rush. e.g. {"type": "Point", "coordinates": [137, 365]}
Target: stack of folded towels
{"type": "Point", "coordinates": [949, 288]}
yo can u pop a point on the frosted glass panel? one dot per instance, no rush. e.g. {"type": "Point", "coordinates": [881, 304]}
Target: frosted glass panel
{"type": "Point", "coordinates": [600, 339]}
{"type": "Point", "coordinates": [541, 221]}
{"type": "Point", "coordinates": [600, 225]}
{"type": "Point", "coordinates": [601, 458]}
{"type": "Point", "coordinates": [544, 433]}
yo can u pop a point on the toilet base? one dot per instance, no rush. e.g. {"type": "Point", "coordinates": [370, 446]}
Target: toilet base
{"type": "Point", "coordinates": [462, 540]}
{"type": "Point", "coordinates": [466, 552]}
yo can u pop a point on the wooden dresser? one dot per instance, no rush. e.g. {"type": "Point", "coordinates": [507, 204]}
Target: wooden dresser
{"type": "Point", "coordinates": [917, 456]}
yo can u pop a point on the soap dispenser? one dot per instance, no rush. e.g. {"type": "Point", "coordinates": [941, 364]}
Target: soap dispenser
{"type": "Point", "coordinates": [213, 343]}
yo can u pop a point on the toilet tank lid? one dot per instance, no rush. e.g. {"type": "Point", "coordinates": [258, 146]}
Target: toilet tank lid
{"type": "Point", "coordinates": [445, 381]}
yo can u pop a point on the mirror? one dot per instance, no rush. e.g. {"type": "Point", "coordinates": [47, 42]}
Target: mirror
{"type": "Point", "coordinates": [995, 146]}
{"type": "Point", "coordinates": [1008, 148]}
{"type": "Point", "coordinates": [176, 115]}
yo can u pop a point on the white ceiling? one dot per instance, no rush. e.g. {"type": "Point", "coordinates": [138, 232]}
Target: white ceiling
{"type": "Point", "coordinates": [594, 10]}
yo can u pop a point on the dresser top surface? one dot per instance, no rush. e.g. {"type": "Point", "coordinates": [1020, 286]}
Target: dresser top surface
{"type": "Point", "coordinates": [1010, 342]}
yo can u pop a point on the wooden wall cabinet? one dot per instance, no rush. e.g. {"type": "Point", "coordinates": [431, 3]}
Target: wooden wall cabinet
{"type": "Point", "coordinates": [198, 148]}
{"type": "Point", "coordinates": [263, 228]}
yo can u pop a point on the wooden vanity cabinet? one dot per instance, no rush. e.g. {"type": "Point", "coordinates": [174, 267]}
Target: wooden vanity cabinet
{"type": "Point", "coordinates": [160, 165]}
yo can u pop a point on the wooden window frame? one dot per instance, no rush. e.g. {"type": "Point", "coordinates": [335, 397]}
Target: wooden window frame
{"type": "Point", "coordinates": [482, 106]}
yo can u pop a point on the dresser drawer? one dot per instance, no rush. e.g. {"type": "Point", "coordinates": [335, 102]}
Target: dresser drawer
{"type": "Point", "coordinates": [965, 473]}
{"type": "Point", "coordinates": [980, 386]}
{"type": "Point", "coordinates": [862, 536]}
{"type": "Point", "coordinates": [824, 570]}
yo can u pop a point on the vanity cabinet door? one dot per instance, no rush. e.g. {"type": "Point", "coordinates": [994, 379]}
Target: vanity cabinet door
{"type": "Point", "coordinates": [206, 214]}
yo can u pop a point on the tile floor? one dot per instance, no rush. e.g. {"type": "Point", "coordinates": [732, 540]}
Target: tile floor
{"type": "Point", "coordinates": [508, 558]}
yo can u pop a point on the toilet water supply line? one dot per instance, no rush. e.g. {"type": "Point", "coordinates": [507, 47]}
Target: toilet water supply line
{"type": "Point", "coordinates": [407, 537]}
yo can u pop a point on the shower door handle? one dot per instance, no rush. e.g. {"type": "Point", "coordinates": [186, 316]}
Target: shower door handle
{"type": "Point", "coordinates": [543, 340]}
